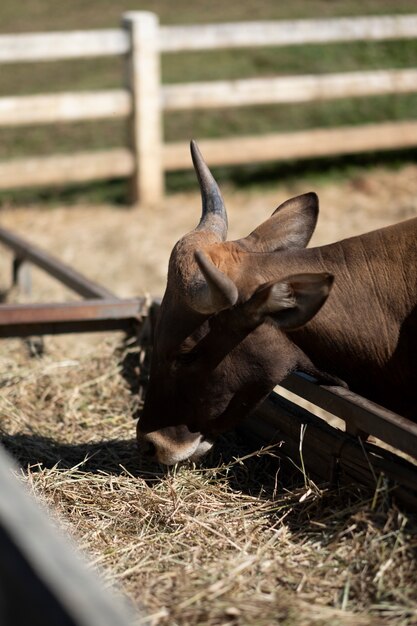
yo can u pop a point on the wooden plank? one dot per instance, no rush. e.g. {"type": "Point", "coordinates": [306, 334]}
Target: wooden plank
{"type": "Point", "coordinates": [64, 107]}
{"type": "Point", "coordinates": [62, 45]}
{"type": "Point", "coordinates": [59, 169]}
{"type": "Point", "coordinates": [42, 578]}
{"type": "Point", "coordinates": [358, 412]}
{"type": "Point", "coordinates": [287, 89]}
{"type": "Point", "coordinates": [287, 32]}
{"type": "Point", "coordinates": [144, 76]}
{"type": "Point", "coordinates": [328, 453]}
{"type": "Point", "coordinates": [295, 145]}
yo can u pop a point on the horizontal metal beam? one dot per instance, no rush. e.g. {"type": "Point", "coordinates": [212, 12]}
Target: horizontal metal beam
{"type": "Point", "coordinates": [357, 412]}
{"type": "Point", "coordinates": [64, 273]}
{"type": "Point", "coordinates": [24, 320]}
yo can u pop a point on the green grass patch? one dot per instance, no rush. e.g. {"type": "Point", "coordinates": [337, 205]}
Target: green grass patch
{"type": "Point", "coordinates": [275, 118]}
{"type": "Point", "coordinates": [57, 76]}
{"type": "Point", "coordinates": [271, 61]}
{"type": "Point", "coordinates": [61, 138]}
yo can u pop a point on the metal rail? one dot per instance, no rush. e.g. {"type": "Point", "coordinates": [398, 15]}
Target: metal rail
{"type": "Point", "coordinates": [101, 311]}
{"type": "Point", "coordinates": [24, 320]}
{"type": "Point", "coordinates": [27, 251]}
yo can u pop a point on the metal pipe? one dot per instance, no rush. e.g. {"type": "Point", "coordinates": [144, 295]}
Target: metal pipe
{"type": "Point", "coordinates": [24, 320]}
{"type": "Point", "coordinates": [27, 251]}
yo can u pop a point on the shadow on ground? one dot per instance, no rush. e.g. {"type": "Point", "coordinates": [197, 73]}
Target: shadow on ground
{"type": "Point", "coordinates": [248, 471]}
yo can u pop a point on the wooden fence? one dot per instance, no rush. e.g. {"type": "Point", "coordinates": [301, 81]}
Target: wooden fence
{"type": "Point", "coordinates": [141, 41]}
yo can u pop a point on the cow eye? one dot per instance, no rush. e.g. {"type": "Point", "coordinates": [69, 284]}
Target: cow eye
{"type": "Point", "coordinates": [185, 358]}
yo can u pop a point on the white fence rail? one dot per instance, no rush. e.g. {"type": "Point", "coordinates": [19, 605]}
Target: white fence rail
{"type": "Point", "coordinates": [287, 32]}
{"type": "Point", "coordinates": [287, 89]}
{"type": "Point", "coordinates": [141, 41]}
{"type": "Point", "coordinates": [64, 107]}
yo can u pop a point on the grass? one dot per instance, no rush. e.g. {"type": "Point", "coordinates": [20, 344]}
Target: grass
{"type": "Point", "coordinates": [197, 66]}
{"type": "Point", "coordinates": [242, 540]}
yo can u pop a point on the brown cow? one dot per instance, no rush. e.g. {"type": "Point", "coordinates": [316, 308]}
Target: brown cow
{"type": "Point", "coordinates": [235, 320]}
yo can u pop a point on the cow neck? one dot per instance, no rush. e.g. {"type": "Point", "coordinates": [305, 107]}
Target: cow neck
{"type": "Point", "coordinates": [358, 334]}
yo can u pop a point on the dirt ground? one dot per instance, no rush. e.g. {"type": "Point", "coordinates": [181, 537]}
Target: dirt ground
{"type": "Point", "coordinates": [128, 251]}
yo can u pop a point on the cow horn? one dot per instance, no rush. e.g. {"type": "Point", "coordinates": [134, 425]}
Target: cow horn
{"type": "Point", "coordinates": [216, 293]}
{"type": "Point", "coordinates": [213, 216]}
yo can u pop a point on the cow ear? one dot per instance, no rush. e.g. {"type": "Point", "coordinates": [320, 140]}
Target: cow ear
{"type": "Point", "coordinates": [293, 301]}
{"type": "Point", "coordinates": [290, 226]}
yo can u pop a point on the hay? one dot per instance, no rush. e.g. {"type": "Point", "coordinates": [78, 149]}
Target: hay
{"type": "Point", "coordinates": [242, 540]}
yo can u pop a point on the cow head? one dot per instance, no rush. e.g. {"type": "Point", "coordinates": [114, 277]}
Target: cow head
{"type": "Point", "coordinates": [221, 341]}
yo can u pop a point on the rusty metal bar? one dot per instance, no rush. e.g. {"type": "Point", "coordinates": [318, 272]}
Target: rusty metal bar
{"type": "Point", "coordinates": [26, 251]}
{"type": "Point", "coordinates": [24, 320]}
{"type": "Point", "coordinates": [358, 412]}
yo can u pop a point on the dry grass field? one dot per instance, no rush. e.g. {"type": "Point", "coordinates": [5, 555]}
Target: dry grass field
{"type": "Point", "coordinates": [245, 539]}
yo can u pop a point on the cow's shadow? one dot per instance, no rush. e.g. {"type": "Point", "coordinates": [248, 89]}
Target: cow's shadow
{"type": "Point", "coordinates": [245, 468]}
{"type": "Point", "coordinates": [112, 456]}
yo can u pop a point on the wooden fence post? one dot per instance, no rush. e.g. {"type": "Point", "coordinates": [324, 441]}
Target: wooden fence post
{"type": "Point", "coordinates": [144, 81]}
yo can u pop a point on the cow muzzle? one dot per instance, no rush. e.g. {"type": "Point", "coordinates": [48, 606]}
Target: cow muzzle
{"type": "Point", "coordinates": [172, 445]}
